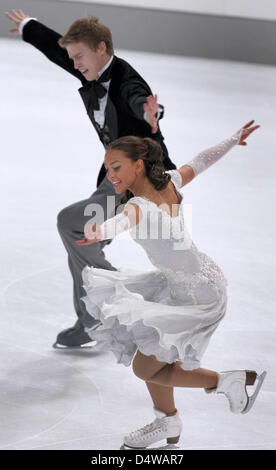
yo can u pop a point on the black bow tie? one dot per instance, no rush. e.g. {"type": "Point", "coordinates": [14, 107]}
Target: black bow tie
{"type": "Point", "coordinates": [95, 90]}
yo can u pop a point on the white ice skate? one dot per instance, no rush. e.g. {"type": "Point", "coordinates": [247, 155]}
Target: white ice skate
{"type": "Point", "coordinates": [233, 385]}
{"type": "Point", "coordinates": [163, 427]}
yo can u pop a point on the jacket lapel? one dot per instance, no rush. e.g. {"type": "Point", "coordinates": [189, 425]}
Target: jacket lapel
{"type": "Point", "coordinates": [111, 120]}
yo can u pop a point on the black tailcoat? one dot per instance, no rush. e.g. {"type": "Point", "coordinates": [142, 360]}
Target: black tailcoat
{"type": "Point", "coordinates": [126, 95]}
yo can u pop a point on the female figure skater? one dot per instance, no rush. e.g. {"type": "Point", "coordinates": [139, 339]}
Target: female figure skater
{"type": "Point", "coordinates": [163, 318]}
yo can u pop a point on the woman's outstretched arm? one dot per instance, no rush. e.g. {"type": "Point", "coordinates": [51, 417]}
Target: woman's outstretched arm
{"type": "Point", "coordinates": [208, 157]}
{"type": "Point", "coordinates": [109, 229]}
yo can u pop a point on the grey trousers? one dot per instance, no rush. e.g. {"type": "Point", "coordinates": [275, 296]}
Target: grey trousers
{"type": "Point", "coordinates": [70, 223]}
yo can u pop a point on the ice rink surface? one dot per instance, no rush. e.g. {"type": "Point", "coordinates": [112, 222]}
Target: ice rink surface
{"type": "Point", "coordinates": [50, 157]}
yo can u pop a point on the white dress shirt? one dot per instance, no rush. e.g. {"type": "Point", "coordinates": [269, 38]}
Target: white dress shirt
{"type": "Point", "coordinates": [99, 115]}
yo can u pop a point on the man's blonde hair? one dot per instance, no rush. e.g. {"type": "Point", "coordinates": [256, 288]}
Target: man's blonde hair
{"type": "Point", "coordinates": [89, 31]}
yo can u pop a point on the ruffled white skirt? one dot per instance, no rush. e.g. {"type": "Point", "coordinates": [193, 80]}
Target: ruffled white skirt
{"type": "Point", "coordinates": [138, 311]}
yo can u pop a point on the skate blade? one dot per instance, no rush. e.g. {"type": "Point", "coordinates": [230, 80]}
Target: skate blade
{"type": "Point", "coordinates": [62, 347]}
{"type": "Point", "coordinates": [252, 399]}
{"type": "Point", "coordinates": [166, 447]}
{"type": "Point", "coordinates": [125, 447]}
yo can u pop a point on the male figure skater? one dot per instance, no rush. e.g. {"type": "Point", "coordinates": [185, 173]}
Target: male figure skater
{"type": "Point", "coordinates": [118, 102]}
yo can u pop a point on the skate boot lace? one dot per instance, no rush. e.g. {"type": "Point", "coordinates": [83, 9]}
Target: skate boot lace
{"type": "Point", "coordinates": [151, 429]}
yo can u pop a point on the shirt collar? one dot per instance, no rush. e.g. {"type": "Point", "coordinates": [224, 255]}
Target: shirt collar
{"type": "Point", "coordinates": [105, 66]}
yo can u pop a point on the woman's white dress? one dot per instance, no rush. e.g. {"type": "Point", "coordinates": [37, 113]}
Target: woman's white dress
{"type": "Point", "coordinates": [170, 312]}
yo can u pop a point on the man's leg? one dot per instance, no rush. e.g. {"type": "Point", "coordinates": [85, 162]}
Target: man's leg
{"type": "Point", "coordinates": [71, 221]}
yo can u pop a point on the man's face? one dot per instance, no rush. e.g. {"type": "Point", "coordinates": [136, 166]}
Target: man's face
{"type": "Point", "coordinates": [89, 62]}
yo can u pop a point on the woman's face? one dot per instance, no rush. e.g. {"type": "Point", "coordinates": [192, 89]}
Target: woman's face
{"type": "Point", "coordinates": [122, 172]}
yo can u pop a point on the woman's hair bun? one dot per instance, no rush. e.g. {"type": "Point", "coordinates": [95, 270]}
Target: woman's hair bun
{"type": "Point", "coordinates": [154, 150]}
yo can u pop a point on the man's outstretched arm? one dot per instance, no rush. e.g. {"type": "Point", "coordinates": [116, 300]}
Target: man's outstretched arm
{"type": "Point", "coordinates": [139, 101]}
{"type": "Point", "coordinates": [44, 39]}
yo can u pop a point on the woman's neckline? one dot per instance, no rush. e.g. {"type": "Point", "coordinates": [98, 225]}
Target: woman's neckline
{"type": "Point", "coordinates": [180, 199]}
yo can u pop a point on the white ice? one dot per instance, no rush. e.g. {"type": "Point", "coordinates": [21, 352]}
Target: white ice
{"type": "Point", "coordinates": [50, 157]}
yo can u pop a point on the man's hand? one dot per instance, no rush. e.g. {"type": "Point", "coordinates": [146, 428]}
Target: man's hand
{"type": "Point", "coordinates": [246, 131]}
{"type": "Point", "coordinates": [16, 17]}
{"type": "Point", "coordinates": [151, 108]}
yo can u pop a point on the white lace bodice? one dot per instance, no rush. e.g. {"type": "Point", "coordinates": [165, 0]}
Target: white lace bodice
{"type": "Point", "coordinates": [170, 248]}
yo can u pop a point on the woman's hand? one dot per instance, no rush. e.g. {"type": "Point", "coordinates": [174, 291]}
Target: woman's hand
{"type": "Point", "coordinates": [151, 108]}
{"type": "Point", "coordinates": [246, 131]}
{"type": "Point", "coordinates": [92, 234]}
{"type": "Point", "coordinates": [16, 17]}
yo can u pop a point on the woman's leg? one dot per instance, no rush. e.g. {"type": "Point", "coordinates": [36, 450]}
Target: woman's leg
{"type": "Point", "coordinates": [171, 375]}
{"type": "Point", "coordinates": [197, 378]}
{"type": "Point", "coordinates": [162, 398]}
{"type": "Point", "coordinates": [161, 395]}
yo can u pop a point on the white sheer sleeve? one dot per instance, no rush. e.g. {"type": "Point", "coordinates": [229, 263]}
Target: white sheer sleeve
{"type": "Point", "coordinates": [208, 157]}
{"type": "Point", "coordinates": [176, 178]}
{"type": "Point", "coordinates": [114, 226]}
